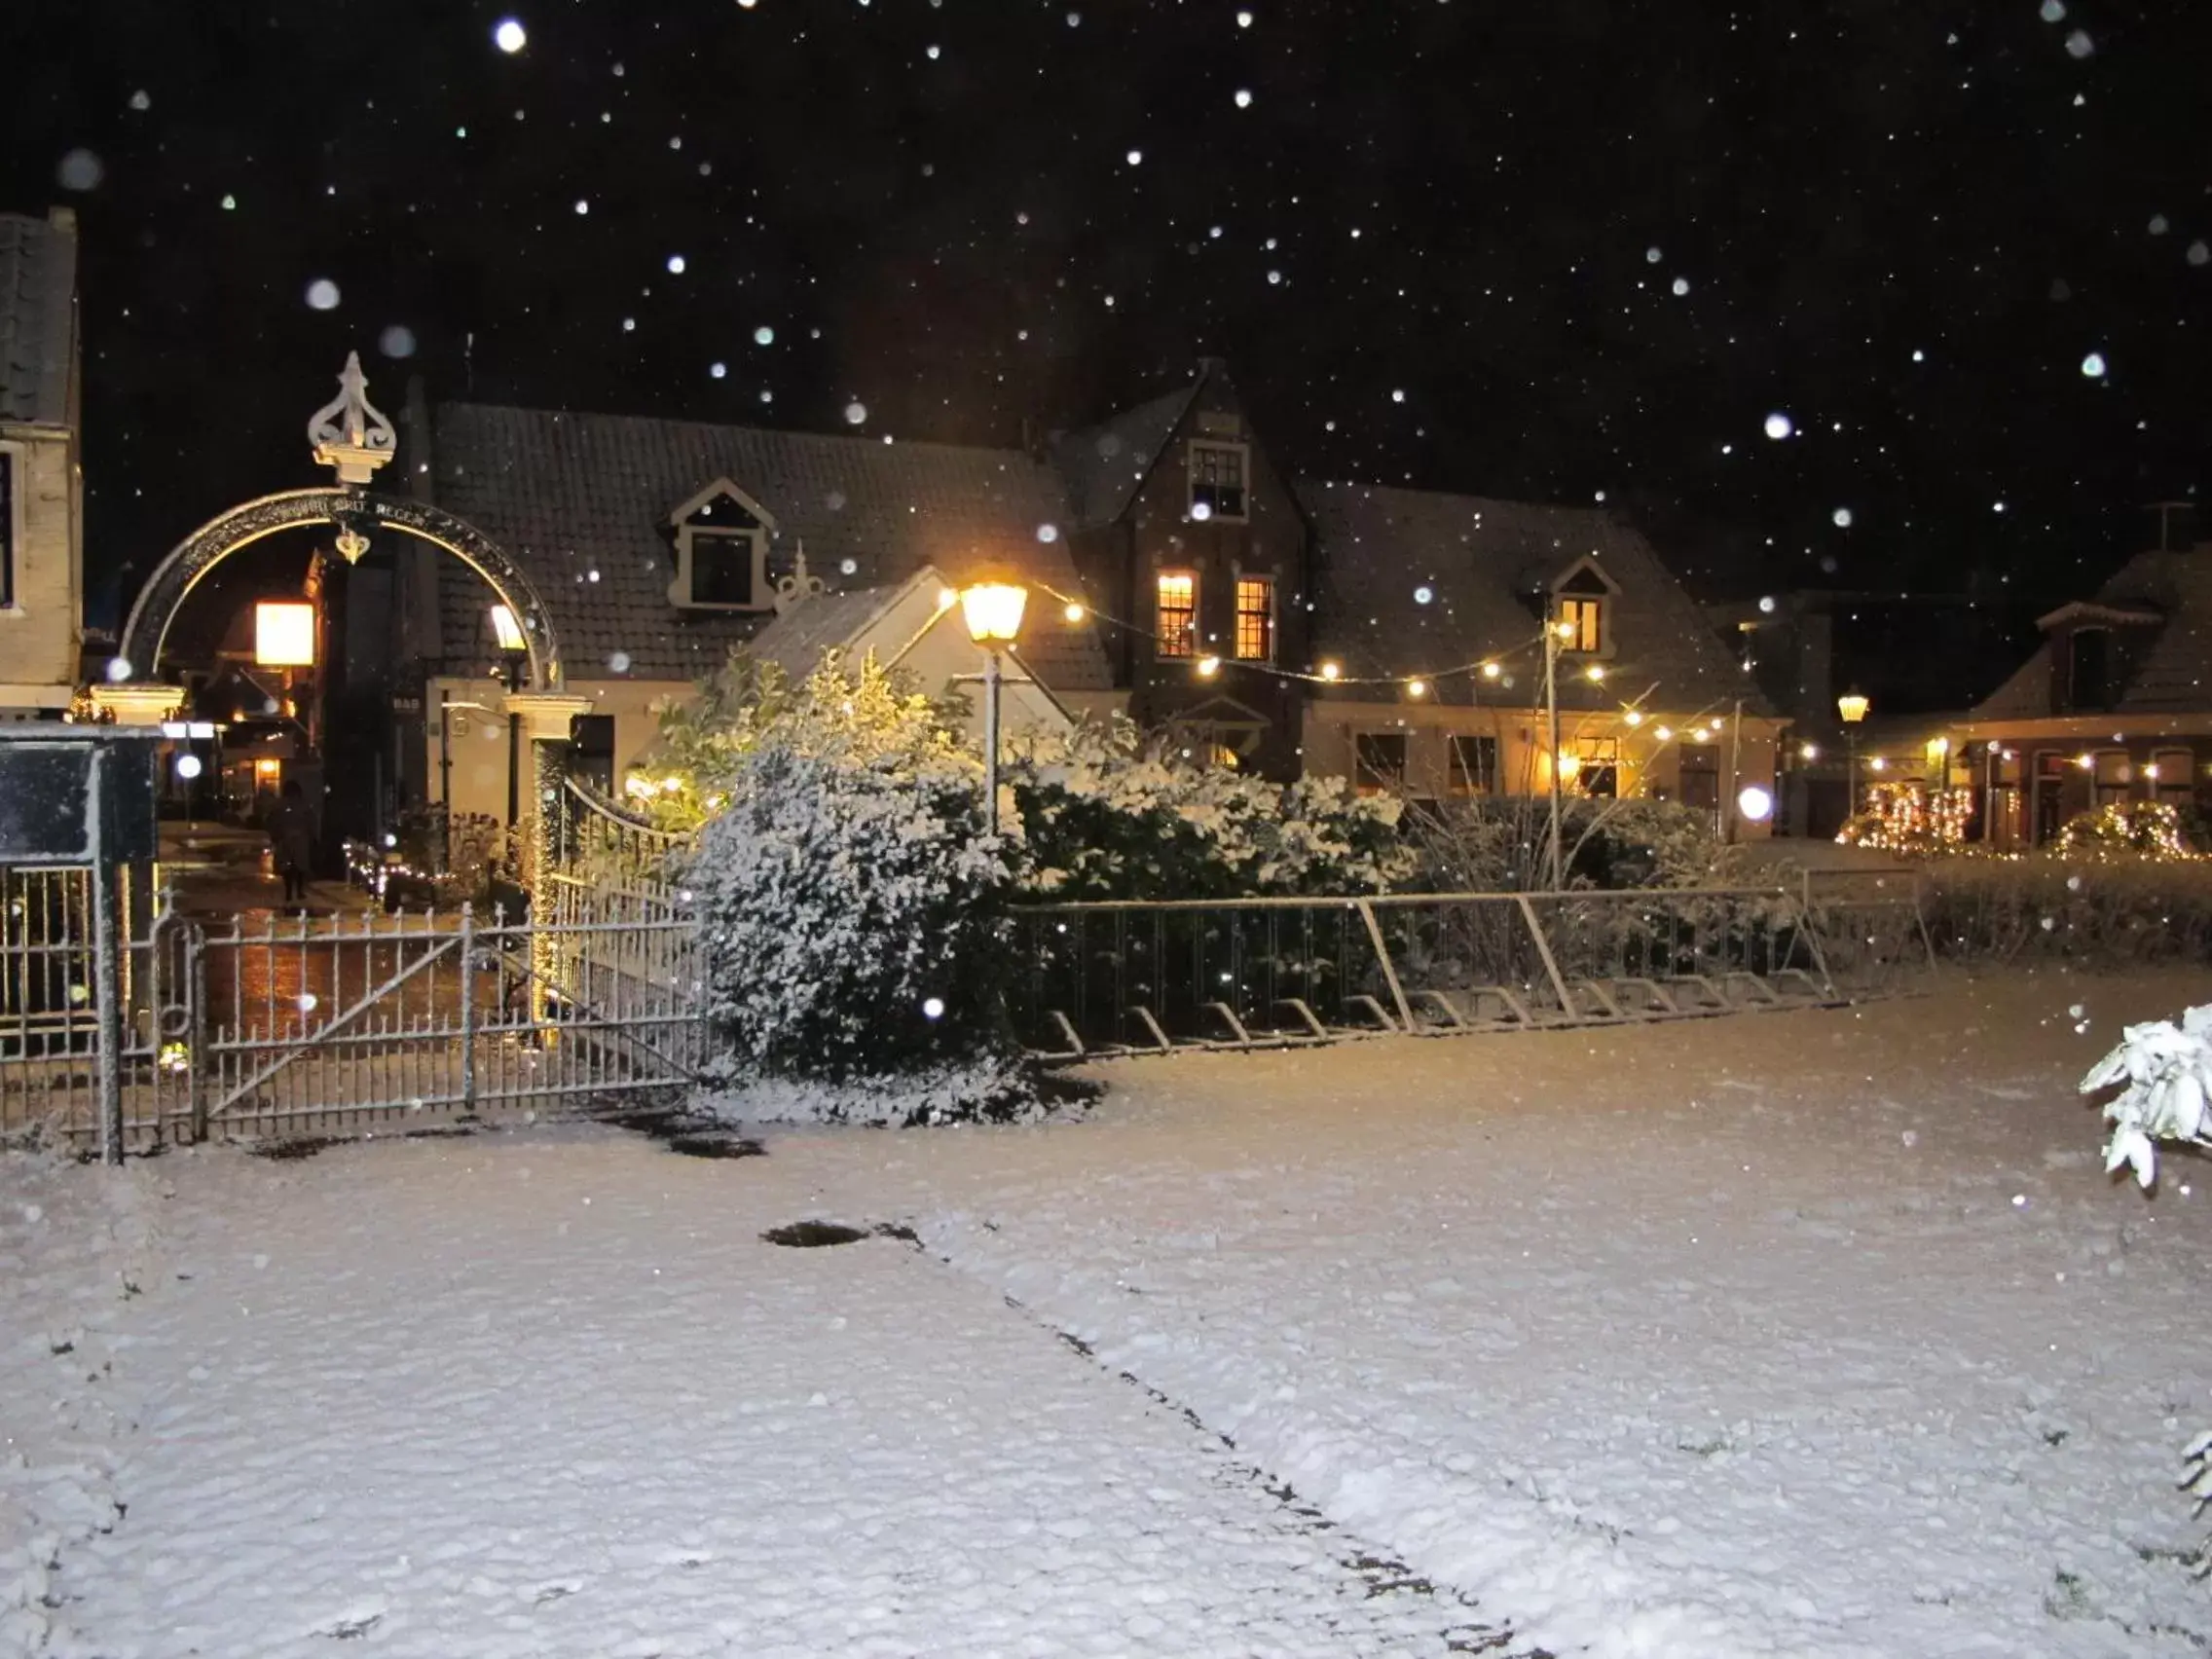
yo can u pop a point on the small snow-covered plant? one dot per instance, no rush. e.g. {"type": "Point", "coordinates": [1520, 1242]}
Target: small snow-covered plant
{"type": "Point", "coordinates": [2165, 1074]}
{"type": "Point", "coordinates": [2166, 1070]}
{"type": "Point", "coordinates": [854, 909]}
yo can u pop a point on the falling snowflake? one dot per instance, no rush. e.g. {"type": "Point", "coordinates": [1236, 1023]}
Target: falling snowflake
{"type": "Point", "coordinates": [509, 37]}
{"type": "Point", "coordinates": [1424, 593]}
{"type": "Point", "coordinates": [230, 204]}
{"type": "Point", "coordinates": [763, 336]}
{"type": "Point", "coordinates": [1244, 98]}
{"type": "Point", "coordinates": [80, 169]}
{"type": "Point", "coordinates": [2054, 11]}
{"type": "Point", "coordinates": [2200, 253]}
{"type": "Point", "coordinates": [1048, 534]}
{"type": "Point", "coordinates": [1398, 396]}
{"type": "Point", "coordinates": [1779, 425]}
{"type": "Point", "coordinates": [322, 294]}
{"type": "Point", "coordinates": [1842, 517]}
{"type": "Point", "coordinates": [856, 412]}
{"type": "Point", "coordinates": [2094, 365]}
{"type": "Point", "coordinates": [582, 206]}
{"type": "Point", "coordinates": [1681, 287]}
{"type": "Point", "coordinates": [675, 265]}
{"type": "Point", "coordinates": [1135, 158]}
{"type": "Point", "coordinates": [619, 662]}
{"type": "Point", "coordinates": [2158, 226]}
{"type": "Point", "coordinates": [718, 370]}
{"type": "Point", "coordinates": [1652, 256]}
{"type": "Point", "coordinates": [397, 341]}
{"type": "Point", "coordinates": [1200, 511]}
{"type": "Point", "coordinates": [141, 100]}
{"type": "Point", "coordinates": [2079, 44]}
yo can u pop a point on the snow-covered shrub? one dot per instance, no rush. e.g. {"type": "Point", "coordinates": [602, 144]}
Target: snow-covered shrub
{"type": "Point", "coordinates": [1109, 813]}
{"type": "Point", "coordinates": [2166, 1070]}
{"type": "Point", "coordinates": [853, 909]}
{"type": "Point", "coordinates": [1501, 844]}
{"type": "Point", "coordinates": [2164, 1074]}
{"type": "Point", "coordinates": [2119, 913]}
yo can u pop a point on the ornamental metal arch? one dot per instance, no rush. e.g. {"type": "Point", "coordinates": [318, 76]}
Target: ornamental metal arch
{"type": "Point", "coordinates": [356, 512]}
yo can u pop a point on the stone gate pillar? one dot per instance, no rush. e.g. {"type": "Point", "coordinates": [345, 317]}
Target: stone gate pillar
{"type": "Point", "coordinates": [545, 718]}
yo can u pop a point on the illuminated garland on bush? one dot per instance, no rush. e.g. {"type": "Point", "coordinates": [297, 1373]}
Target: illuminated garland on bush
{"type": "Point", "coordinates": [2127, 829]}
{"type": "Point", "coordinates": [1909, 818]}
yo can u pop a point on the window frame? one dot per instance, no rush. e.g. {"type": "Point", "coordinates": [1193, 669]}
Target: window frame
{"type": "Point", "coordinates": [682, 586]}
{"type": "Point", "coordinates": [1462, 782]}
{"type": "Point", "coordinates": [2107, 691]}
{"type": "Point", "coordinates": [1589, 622]}
{"type": "Point", "coordinates": [1707, 756]}
{"type": "Point", "coordinates": [1165, 646]}
{"type": "Point", "coordinates": [1597, 756]}
{"type": "Point", "coordinates": [2176, 782]}
{"type": "Point", "coordinates": [1265, 581]}
{"type": "Point", "coordinates": [15, 517]}
{"type": "Point", "coordinates": [1385, 784]}
{"type": "Point", "coordinates": [1191, 484]}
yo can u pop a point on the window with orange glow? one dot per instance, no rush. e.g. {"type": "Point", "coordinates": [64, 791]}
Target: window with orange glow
{"type": "Point", "coordinates": [1581, 625]}
{"type": "Point", "coordinates": [1256, 618]}
{"type": "Point", "coordinates": [1177, 623]}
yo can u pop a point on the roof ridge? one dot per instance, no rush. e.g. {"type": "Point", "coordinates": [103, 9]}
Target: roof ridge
{"type": "Point", "coordinates": [539, 411]}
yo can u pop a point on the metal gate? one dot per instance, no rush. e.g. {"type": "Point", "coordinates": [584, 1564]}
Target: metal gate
{"type": "Point", "coordinates": [351, 1024]}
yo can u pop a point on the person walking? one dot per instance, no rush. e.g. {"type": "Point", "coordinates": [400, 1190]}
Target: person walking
{"type": "Point", "coordinates": [291, 841]}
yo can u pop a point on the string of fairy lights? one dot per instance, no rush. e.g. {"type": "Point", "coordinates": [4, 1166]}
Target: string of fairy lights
{"type": "Point", "coordinates": [1206, 664]}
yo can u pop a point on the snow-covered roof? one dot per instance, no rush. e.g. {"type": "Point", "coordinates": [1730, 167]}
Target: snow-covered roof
{"type": "Point", "coordinates": [581, 503]}
{"type": "Point", "coordinates": [1414, 580]}
{"type": "Point", "coordinates": [2162, 600]}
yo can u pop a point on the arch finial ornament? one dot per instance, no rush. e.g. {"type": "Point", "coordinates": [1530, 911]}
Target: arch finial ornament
{"type": "Point", "coordinates": [350, 434]}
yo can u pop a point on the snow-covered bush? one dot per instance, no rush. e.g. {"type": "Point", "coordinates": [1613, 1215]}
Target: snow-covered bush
{"type": "Point", "coordinates": [2164, 1071]}
{"type": "Point", "coordinates": [2098, 914]}
{"type": "Point", "coordinates": [853, 909]}
{"type": "Point", "coordinates": [1109, 813]}
{"type": "Point", "coordinates": [1499, 843]}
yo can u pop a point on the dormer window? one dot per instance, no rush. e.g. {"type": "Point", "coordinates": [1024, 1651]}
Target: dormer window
{"type": "Point", "coordinates": [721, 551]}
{"type": "Point", "coordinates": [1218, 473]}
{"type": "Point", "coordinates": [1579, 601]}
{"type": "Point", "coordinates": [2088, 680]}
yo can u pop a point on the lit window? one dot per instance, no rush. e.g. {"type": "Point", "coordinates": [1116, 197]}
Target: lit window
{"type": "Point", "coordinates": [1474, 765]}
{"type": "Point", "coordinates": [1217, 480]}
{"type": "Point", "coordinates": [1600, 771]}
{"type": "Point", "coordinates": [1177, 621]}
{"type": "Point", "coordinates": [1581, 624]}
{"type": "Point", "coordinates": [1256, 618]}
{"type": "Point", "coordinates": [1378, 762]}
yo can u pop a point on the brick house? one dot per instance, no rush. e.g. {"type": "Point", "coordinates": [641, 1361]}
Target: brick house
{"type": "Point", "coordinates": [2114, 705]}
{"type": "Point", "coordinates": [1211, 594]}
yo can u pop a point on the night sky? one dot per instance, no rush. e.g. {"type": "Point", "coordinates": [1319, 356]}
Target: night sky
{"type": "Point", "coordinates": [1541, 250]}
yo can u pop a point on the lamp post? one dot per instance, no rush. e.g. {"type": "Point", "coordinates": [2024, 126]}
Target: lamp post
{"type": "Point", "coordinates": [992, 610]}
{"type": "Point", "coordinates": [514, 659]}
{"type": "Point", "coordinates": [1555, 630]}
{"type": "Point", "coordinates": [1852, 706]}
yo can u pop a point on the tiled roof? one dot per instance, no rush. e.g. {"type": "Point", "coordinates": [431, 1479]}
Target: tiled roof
{"type": "Point", "coordinates": [581, 503]}
{"type": "Point", "coordinates": [2172, 673]}
{"type": "Point", "coordinates": [1104, 465]}
{"type": "Point", "coordinates": [1479, 563]}
{"type": "Point", "coordinates": [38, 285]}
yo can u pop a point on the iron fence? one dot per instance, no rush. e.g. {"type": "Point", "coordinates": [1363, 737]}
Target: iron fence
{"type": "Point", "coordinates": [1151, 977]}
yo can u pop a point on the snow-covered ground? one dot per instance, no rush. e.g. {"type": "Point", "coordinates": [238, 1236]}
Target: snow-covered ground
{"type": "Point", "coordinates": [1809, 1333]}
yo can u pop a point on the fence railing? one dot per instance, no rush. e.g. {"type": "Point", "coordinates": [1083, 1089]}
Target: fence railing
{"type": "Point", "coordinates": [1138, 976]}
{"type": "Point", "coordinates": [367, 1023]}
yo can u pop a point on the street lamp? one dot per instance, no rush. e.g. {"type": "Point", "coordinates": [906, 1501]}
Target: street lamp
{"type": "Point", "coordinates": [1852, 706]}
{"type": "Point", "coordinates": [514, 657]}
{"type": "Point", "coordinates": [992, 610]}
